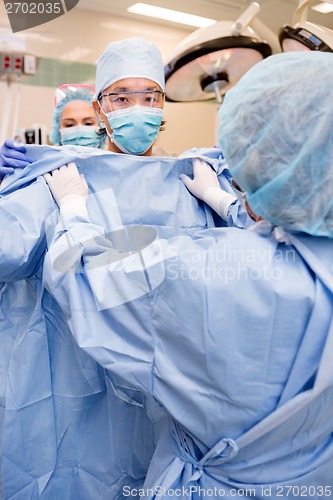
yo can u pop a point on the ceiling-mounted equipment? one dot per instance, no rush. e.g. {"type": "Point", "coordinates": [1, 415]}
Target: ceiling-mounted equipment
{"type": "Point", "coordinates": [211, 60]}
{"type": "Point", "coordinates": [305, 35]}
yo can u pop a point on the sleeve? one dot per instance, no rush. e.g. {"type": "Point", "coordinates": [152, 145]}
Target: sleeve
{"type": "Point", "coordinates": [237, 216]}
{"type": "Point", "coordinates": [219, 201]}
{"type": "Point", "coordinates": [103, 283]}
{"type": "Point", "coordinates": [226, 204]}
{"type": "Point", "coordinates": [22, 218]}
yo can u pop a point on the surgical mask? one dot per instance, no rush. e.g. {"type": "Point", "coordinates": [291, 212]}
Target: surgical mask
{"type": "Point", "coordinates": [80, 135]}
{"type": "Point", "coordinates": [134, 129]}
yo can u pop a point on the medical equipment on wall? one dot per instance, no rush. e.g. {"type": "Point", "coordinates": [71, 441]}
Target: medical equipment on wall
{"type": "Point", "coordinates": [36, 134]}
{"type": "Point", "coordinates": [211, 60]}
{"type": "Point", "coordinates": [304, 35]}
{"type": "Point", "coordinates": [15, 64]}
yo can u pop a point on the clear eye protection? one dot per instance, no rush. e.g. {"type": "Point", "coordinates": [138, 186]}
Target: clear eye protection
{"type": "Point", "coordinates": [114, 101]}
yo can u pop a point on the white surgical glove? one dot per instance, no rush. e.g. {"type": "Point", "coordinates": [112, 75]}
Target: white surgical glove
{"type": "Point", "coordinates": [206, 187]}
{"type": "Point", "coordinates": [69, 189]}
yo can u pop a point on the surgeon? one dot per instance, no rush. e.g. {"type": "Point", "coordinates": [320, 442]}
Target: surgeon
{"type": "Point", "coordinates": [236, 343]}
{"type": "Point", "coordinates": [130, 97]}
{"type": "Point", "coordinates": [74, 120]}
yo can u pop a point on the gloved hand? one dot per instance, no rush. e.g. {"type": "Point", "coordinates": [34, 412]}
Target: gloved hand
{"type": "Point", "coordinates": [69, 188]}
{"type": "Point", "coordinates": [204, 178]}
{"type": "Point", "coordinates": [12, 155]}
{"type": "Point", "coordinates": [206, 187]}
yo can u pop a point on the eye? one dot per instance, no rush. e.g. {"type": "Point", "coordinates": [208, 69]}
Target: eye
{"type": "Point", "coordinates": [154, 98]}
{"type": "Point", "coordinates": [120, 99]}
{"type": "Point", "coordinates": [150, 98]}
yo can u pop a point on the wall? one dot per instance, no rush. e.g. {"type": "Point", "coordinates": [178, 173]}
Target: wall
{"type": "Point", "coordinates": [68, 48]}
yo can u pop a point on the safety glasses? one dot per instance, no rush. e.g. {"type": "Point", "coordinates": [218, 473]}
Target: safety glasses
{"type": "Point", "coordinates": [70, 89]}
{"type": "Point", "coordinates": [113, 101]}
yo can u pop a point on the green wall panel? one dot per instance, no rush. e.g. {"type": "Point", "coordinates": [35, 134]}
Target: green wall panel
{"type": "Point", "coordinates": [53, 72]}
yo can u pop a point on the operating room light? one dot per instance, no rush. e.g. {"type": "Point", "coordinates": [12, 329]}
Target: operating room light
{"type": "Point", "coordinates": [323, 7]}
{"type": "Point", "coordinates": [170, 15]}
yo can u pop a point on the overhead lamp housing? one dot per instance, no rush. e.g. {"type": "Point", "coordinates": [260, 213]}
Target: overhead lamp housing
{"type": "Point", "coordinates": [211, 60]}
{"type": "Point", "coordinates": [304, 35]}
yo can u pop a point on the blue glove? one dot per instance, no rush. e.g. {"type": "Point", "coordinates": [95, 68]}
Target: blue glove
{"type": "Point", "coordinates": [12, 155]}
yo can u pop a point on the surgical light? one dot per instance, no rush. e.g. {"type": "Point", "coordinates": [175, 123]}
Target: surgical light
{"type": "Point", "coordinates": [211, 60]}
{"type": "Point", "coordinates": [304, 35]}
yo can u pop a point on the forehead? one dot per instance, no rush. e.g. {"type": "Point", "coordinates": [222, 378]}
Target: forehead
{"type": "Point", "coordinates": [77, 109]}
{"type": "Point", "coordinates": [132, 84]}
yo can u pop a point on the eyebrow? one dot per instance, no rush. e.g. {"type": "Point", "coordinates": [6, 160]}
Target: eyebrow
{"type": "Point", "coordinates": [70, 119]}
{"type": "Point", "coordinates": [127, 89]}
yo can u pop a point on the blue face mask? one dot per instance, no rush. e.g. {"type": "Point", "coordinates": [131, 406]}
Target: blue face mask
{"type": "Point", "coordinates": [80, 135]}
{"type": "Point", "coordinates": [135, 129]}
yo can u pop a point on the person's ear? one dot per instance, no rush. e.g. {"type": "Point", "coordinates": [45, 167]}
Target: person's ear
{"type": "Point", "coordinates": [98, 111]}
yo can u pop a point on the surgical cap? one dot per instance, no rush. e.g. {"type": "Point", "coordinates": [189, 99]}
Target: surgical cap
{"type": "Point", "coordinates": [130, 58]}
{"type": "Point", "coordinates": [71, 95]}
{"type": "Point", "coordinates": [276, 132]}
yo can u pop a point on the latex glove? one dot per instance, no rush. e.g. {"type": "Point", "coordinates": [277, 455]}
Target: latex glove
{"type": "Point", "coordinates": [12, 155]}
{"type": "Point", "coordinates": [69, 188]}
{"type": "Point", "coordinates": [206, 187]}
{"type": "Point", "coordinates": [204, 178]}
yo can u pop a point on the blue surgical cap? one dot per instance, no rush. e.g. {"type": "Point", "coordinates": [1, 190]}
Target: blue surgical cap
{"type": "Point", "coordinates": [70, 96]}
{"type": "Point", "coordinates": [276, 132]}
{"type": "Point", "coordinates": [130, 58]}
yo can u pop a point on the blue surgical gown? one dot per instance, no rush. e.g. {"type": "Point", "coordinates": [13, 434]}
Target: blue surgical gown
{"type": "Point", "coordinates": [235, 342]}
{"type": "Point", "coordinates": [69, 428]}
